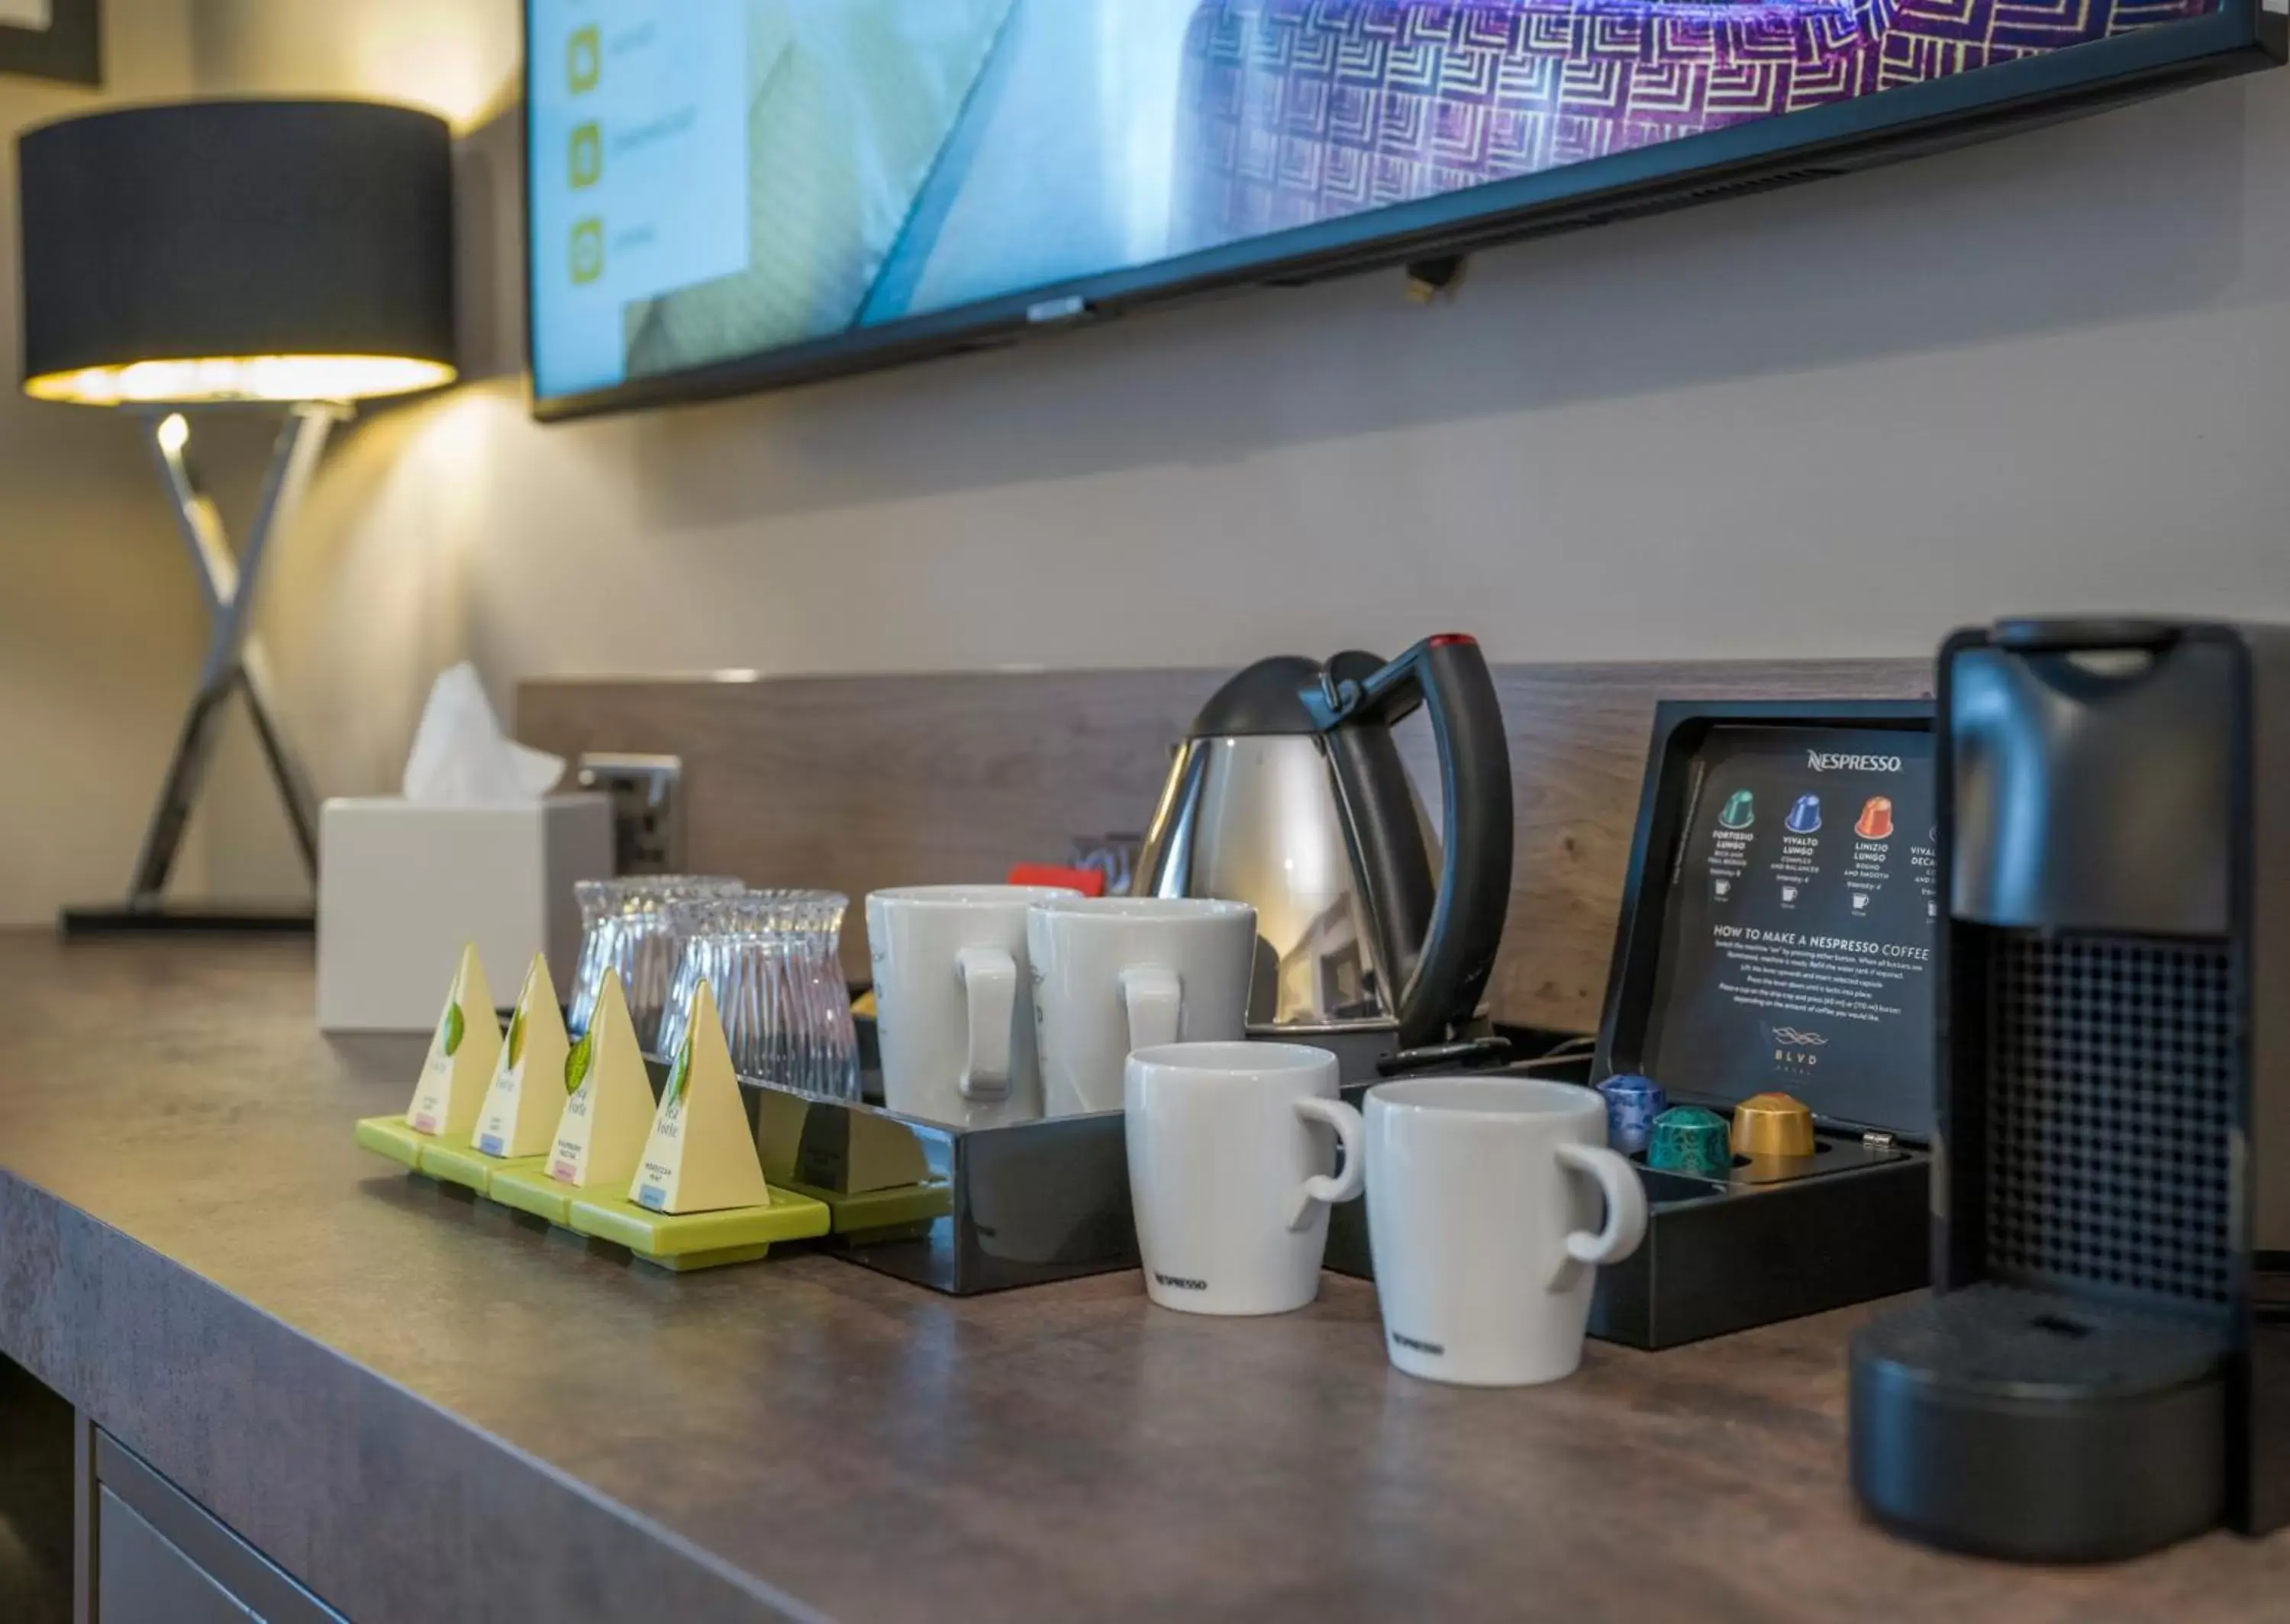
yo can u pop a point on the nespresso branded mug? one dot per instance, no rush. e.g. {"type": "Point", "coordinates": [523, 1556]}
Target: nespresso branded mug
{"type": "Point", "coordinates": [954, 1001]}
{"type": "Point", "coordinates": [1232, 1170]}
{"type": "Point", "coordinates": [1115, 974]}
{"type": "Point", "coordinates": [1483, 1216]}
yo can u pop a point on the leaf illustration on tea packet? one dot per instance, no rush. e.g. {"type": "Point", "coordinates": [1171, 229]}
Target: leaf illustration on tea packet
{"type": "Point", "coordinates": [576, 1064]}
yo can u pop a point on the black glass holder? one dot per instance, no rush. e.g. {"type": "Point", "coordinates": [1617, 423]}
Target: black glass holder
{"type": "Point", "coordinates": [962, 1210]}
{"type": "Point", "coordinates": [1025, 1204]}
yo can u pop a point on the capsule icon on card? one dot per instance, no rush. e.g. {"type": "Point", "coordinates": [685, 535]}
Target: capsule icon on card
{"type": "Point", "coordinates": [1740, 812]}
{"type": "Point", "coordinates": [1805, 817]}
{"type": "Point", "coordinates": [1876, 818]}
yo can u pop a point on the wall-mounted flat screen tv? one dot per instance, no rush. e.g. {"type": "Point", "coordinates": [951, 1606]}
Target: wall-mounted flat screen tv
{"type": "Point", "coordinates": [728, 194]}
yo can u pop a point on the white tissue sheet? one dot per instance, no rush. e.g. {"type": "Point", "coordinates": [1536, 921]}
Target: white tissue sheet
{"type": "Point", "coordinates": [460, 757]}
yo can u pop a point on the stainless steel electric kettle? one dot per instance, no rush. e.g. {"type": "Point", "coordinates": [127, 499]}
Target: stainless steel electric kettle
{"type": "Point", "coordinates": [1289, 794]}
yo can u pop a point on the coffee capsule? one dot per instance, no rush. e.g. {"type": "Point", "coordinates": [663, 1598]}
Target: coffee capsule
{"type": "Point", "coordinates": [1773, 1124]}
{"type": "Point", "coordinates": [1632, 1103]}
{"type": "Point", "coordinates": [1689, 1139]}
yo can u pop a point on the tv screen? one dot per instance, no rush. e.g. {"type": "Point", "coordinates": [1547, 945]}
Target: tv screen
{"type": "Point", "coordinates": [729, 194]}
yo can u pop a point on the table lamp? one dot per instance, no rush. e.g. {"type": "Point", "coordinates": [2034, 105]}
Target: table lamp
{"type": "Point", "coordinates": [288, 257]}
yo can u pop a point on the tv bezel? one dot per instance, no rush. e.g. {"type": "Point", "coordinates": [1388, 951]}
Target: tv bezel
{"type": "Point", "coordinates": [2241, 36]}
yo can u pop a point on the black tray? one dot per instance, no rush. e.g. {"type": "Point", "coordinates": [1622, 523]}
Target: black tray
{"type": "Point", "coordinates": [963, 1209]}
{"type": "Point", "coordinates": [1025, 1204]}
{"type": "Point", "coordinates": [958, 1209]}
{"type": "Point", "coordinates": [1723, 1257]}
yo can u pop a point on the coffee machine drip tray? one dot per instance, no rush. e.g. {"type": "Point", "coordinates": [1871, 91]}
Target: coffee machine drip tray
{"type": "Point", "coordinates": [2020, 1423]}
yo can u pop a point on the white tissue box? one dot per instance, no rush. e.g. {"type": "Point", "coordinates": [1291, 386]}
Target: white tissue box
{"type": "Point", "coordinates": [403, 887]}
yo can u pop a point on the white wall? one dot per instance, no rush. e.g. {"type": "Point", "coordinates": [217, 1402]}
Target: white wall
{"type": "Point", "coordinates": [101, 629]}
{"type": "Point", "coordinates": [452, 56]}
{"type": "Point", "coordinates": [2052, 372]}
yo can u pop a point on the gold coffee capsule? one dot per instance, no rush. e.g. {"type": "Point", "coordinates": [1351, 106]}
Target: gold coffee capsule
{"type": "Point", "coordinates": [1773, 1124]}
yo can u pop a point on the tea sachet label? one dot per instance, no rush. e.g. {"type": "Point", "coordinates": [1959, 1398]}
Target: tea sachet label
{"type": "Point", "coordinates": [527, 1094]}
{"type": "Point", "coordinates": [462, 1052]}
{"type": "Point", "coordinates": [600, 1137]}
{"type": "Point", "coordinates": [702, 1155]}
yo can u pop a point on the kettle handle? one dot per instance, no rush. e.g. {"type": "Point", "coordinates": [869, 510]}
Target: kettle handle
{"type": "Point", "coordinates": [1448, 677]}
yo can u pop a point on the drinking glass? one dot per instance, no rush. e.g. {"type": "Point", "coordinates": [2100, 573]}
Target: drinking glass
{"type": "Point", "coordinates": [625, 926]}
{"type": "Point", "coordinates": [774, 960]}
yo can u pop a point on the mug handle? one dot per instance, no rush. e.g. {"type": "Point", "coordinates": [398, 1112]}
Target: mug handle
{"type": "Point", "coordinates": [989, 979]}
{"type": "Point", "coordinates": [1153, 998]}
{"type": "Point", "coordinates": [1626, 1205]}
{"type": "Point", "coordinates": [1350, 1180]}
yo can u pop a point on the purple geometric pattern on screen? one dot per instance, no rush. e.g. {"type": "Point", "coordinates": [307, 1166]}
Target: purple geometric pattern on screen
{"type": "Point", "coordinates": [1303, 110]}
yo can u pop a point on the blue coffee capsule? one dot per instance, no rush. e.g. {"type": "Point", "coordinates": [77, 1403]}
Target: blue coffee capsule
{"type": "Point", "coordinates": [1632, 1103]}
{"type": "Point", "coordinates": [1690, 1140]}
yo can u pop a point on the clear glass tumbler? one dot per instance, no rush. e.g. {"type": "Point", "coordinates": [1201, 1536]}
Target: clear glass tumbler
{"type": "Point", "coordinates": [625, 926]}
{"type": "Point", "coordinates": [774, 960]}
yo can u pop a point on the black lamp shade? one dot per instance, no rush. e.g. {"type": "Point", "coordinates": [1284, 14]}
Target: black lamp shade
{"type": "Point", "coordinates": [237, 250]}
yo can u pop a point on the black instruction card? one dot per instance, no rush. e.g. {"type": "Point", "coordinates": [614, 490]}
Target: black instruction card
{"type": "Point", "coordinates": [1797, 945]}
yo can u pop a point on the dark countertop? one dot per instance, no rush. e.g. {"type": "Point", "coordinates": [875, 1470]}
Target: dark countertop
{"type": "Point", "coordinates": [426, 1411]}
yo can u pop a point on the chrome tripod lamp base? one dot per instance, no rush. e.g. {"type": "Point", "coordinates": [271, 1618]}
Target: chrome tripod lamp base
{"type": "Point", "coordinates": [234, 664]}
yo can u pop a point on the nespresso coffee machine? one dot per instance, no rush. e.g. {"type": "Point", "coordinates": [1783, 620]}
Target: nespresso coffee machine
{"type": "Point", "coordinates": [2105, 1364]}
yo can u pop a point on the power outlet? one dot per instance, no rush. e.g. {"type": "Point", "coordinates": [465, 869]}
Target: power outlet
{"type": "Point", "coordinates": [1115, 856]}
{"type": "Point", "coordinates": [647, 794]}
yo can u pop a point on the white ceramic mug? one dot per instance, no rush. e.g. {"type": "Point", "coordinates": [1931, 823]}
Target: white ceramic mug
{"type": "Point", "coordinates": [954, 1001]}
{"type": "Point", "coordinates": [1232, 1151]}
{"type": "Point", "coordinates": [1483, 1216]}
{"type": "Point", "coordinates": [1113, 974]}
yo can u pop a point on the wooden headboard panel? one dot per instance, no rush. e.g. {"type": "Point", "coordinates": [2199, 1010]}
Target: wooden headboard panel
{"type": "Point", "coordinates": [859, 782]}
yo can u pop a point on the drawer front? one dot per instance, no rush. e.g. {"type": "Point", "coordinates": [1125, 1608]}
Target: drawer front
{"type": "Point", "coordinates": [143, 1579]}
{"type": "Point", "coordinates": [160, 1559]}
